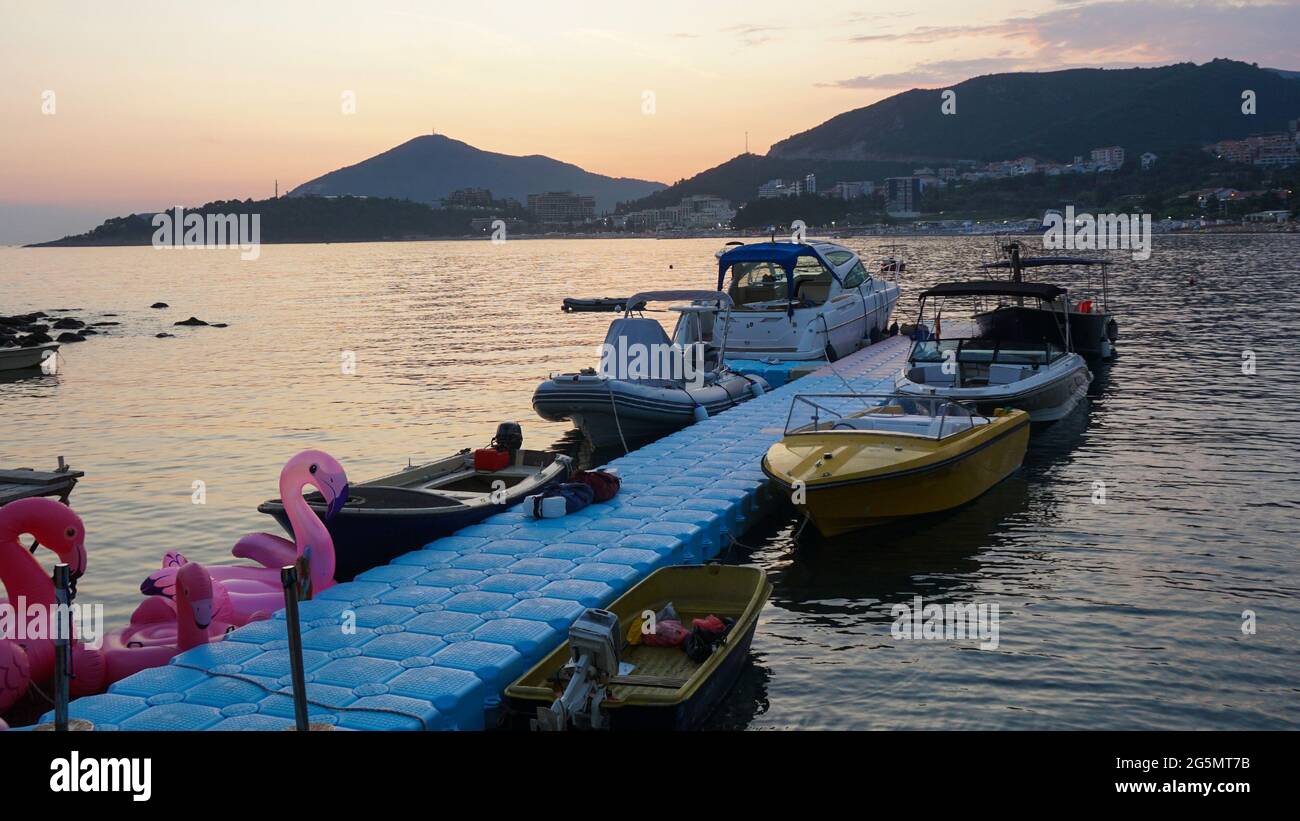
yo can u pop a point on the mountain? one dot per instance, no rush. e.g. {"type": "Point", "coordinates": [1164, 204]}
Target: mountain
{"type": "Point", "coordinates": [428, 168]}
{"type": "Point", "coordinates": [1057, 115]}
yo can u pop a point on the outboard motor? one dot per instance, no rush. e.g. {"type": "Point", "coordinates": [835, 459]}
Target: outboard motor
{"type": "Point", "coordinates": [594, 641]}
{"type": "Point", "coordinates": [501, 452]}
{"type": "Point", "coordinates": [510, 437]}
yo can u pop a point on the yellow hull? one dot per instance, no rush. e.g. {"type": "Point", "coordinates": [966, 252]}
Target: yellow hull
{"type": "Point", "coordinates": [872, 478]}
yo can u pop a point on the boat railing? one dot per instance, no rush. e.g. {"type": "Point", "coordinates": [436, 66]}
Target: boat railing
{"type": "Point", "coordinates": [820, 412]}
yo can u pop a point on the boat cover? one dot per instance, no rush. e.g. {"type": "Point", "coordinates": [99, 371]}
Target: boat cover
{"type": "Point", "coordinates": [1034, 290]}
{"type": "Point", "coordinates": [1039, 262]}
{"type": "Point", "coordinates": [636, 331]}
{"type": "Point", "coordinates": [785, 254]}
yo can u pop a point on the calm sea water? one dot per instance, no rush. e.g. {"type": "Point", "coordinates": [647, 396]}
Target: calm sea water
{"type": "Point", "coordinates": [1122, 615]}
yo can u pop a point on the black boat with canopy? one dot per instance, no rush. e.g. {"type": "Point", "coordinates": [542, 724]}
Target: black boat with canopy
{"type": "Point", "coordinates": [1092, 327]}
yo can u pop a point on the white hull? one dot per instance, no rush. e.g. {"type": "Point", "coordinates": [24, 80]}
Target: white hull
{"type": "Point", "coordinates": [1049, 395]}
{"type": "Point", "coordinates": [844, 324]}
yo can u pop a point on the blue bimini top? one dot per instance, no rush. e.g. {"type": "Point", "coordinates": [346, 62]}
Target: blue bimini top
{"type": "Point", "coordinates": [785, 254]}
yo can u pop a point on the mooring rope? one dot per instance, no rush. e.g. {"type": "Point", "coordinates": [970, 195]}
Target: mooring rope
{"type": "Point", "coordinates": [614, 406]}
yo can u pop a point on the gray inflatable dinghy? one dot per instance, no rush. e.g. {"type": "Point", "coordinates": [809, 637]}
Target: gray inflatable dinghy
{"type": "Point", "coordinates": [646, 384]}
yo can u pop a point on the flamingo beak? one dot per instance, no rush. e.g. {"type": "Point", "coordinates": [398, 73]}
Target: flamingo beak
{"type": "Point", "coordinates": [336, 504]}
{"type": "Point", "coordinates": [79, 569]}
{"type": "Point", "coordinates": [202, 613]}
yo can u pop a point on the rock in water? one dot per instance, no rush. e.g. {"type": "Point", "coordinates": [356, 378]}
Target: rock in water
{"type": "Point", "coordinates": [68, 322]}
{"type": "Point", "coordinates": [194, 320]}
{"type": "Point", "coordinates": [164, 336]}
{"type": "Point", "coordinates": [68, 336]}
{"type": "Point", "coordinates": [220, 325]}
{"type": "Point", "coordinates": [160, 305]}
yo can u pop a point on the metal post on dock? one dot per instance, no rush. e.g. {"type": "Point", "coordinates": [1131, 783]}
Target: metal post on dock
{"type": "Point", "coordinates": [62, 646]}
{"type": "Point", "coordinates": [289, 581]}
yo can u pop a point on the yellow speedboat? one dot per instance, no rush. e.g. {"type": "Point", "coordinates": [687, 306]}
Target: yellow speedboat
{"type": "Point", "coordinates": [849, 467]}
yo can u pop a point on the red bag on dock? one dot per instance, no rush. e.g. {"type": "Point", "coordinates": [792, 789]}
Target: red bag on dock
{"type": "Point", "coordinates": [603, 484]}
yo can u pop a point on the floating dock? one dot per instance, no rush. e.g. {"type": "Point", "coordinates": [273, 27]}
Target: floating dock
{"type": "Point", "coordinates": [26, 483]}
{"type": "Point", "coordinates": [432, 639]}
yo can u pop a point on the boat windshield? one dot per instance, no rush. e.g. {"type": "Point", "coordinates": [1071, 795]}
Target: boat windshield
{"type": "Point", "coordinates": [897, 414]}
{"type": "Point", "coordinates": [985, 351]}
{"type": "Point", "coordinates": [761, 286]}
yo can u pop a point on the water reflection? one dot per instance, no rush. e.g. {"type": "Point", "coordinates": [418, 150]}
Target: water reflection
{"type": "Point", "coordinates": [864, 572]}
{"type": "Point", "coordinates": [1124, 614]}
{"type": "Point", "coordinates": [748, 698]}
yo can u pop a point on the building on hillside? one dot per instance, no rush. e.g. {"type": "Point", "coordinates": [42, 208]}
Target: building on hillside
{"type": "Point", "coordinates": [484, 225]}
{"type": "Point", "coordinates": [698, 211]}
{"type": "Point", "coordinates": [1109, 158]}
{"type": "Point", "coordinates": [810, 184]}
{"type": "Point", "coordinates": [1238, 151]}
{"type": "Point", "coordinates": [562, 207]}
{"type": "Point", "coordinates": [947, 174]}
{"type": "Point", "coordinates": [1148, 161]}
{"type": "Point", "coordinates": [1023, 166]}
{"type": "Point", "coordinates": [1277, 215]}
{"type": "Point", "coordinates": [928, 181]}
{"type": "Point", "coordinates": [849, 190]}
{"type": "Point", "coordinates": [704, 211]}
{"type": "Point", "coordinates": [1204, 196]}
{"type": "Point", "coordinates": [903, 196]}
{"type": "Point", "coordinates": [780, 188]}
{"type": "Point", "coordinates": [468, 198]}
{"type": "Point", "coordinates": [1274, 150]}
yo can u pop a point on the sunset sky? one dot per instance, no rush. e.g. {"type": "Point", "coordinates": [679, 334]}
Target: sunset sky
{"type": "Point", "coordinates": [158, 103]}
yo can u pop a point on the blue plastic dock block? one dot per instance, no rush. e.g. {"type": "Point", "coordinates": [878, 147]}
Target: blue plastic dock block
{"type": "Point", "coordinates": [430, 640]}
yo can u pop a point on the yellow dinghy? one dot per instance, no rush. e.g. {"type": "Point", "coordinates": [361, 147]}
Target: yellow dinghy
{"type": "Point", "coordinates": [851, 461]}
{"type": "Point", "coordinates": [598, 679]}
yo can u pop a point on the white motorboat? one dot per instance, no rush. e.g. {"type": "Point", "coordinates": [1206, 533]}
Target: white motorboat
{"type": "Point", "coordinates": [1035, 373]}
{"type": "Point", "coordinates": [802, 300]}
{"type": "Point", "coordinates": [647, 385]}
{"type": "Point", "coordinates": [17, 358]}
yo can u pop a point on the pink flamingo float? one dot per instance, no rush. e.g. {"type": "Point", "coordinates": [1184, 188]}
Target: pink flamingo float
{"type": "Point", "coordinates": [27, 660]}
{"type": "Point", "coordinates": [144, 644]}
{"type": "Point", "coordinates": [254, 591]}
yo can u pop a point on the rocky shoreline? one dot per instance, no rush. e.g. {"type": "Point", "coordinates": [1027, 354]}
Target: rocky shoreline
{"type": "Point", "coordinates": [40, 327]}
{"type": "Point", "coordinates": [35, 328]}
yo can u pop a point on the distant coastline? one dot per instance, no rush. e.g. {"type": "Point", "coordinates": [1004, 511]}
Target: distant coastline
{"type": "Point", "coordinates": [845, 233]}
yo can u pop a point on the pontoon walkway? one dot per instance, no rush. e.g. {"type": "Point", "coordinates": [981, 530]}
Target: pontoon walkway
{"type": "Point", "coordinates": [440, 632]}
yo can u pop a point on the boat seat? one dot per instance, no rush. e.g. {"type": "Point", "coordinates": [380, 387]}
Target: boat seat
{"type": "Point", "coordinates": [636, 331]}
{"type": "Point", "coordinates": [749, 294]}
{"type": "Point", "coordinates": [931, 375]}
{"type": "Point", "coordinates": [813, 291]}
{"type": "Point", "coordinates": [1001, 374]}
{"type": "Point", "coordinates": [884, 423]}
{"type": "Point", "coordinates": [914, 424]}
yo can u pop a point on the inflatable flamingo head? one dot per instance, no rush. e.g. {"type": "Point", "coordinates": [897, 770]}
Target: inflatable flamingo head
{"type": "Point", "coordinates": [53, 524]}
{"type": "Point", "coordinates": [323, 472]}
{"type": "Point", "coordinates": [194, 596]}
